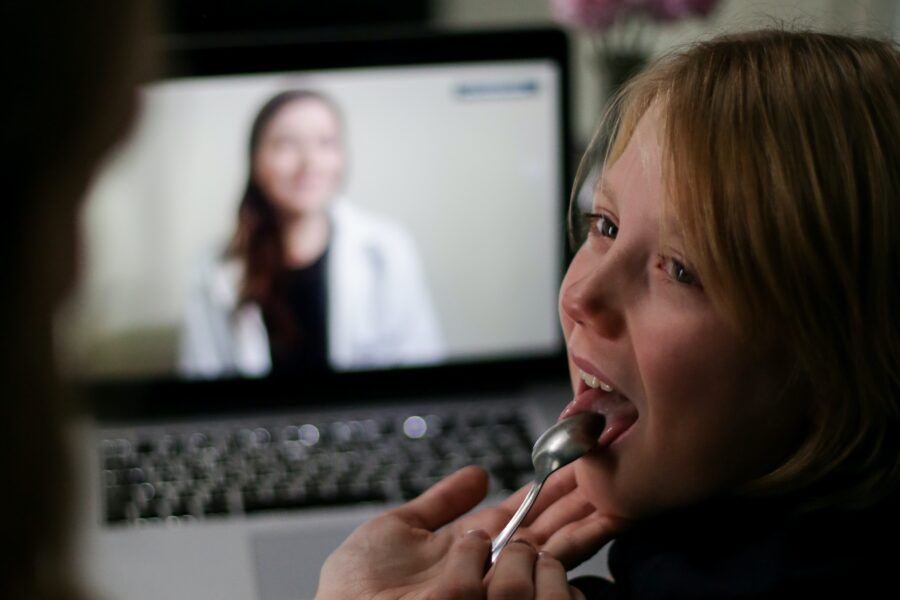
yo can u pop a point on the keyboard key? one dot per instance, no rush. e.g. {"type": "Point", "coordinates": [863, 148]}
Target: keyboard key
{"type": "Point", "coordinates": [309, 435]}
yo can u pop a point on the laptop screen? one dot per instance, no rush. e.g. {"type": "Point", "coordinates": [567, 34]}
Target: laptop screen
{"type": "Point", "coordinates": [345, 218]}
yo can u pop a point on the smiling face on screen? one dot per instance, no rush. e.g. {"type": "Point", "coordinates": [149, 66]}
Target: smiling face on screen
{"type": "Point", "coordinates": [299, 163]}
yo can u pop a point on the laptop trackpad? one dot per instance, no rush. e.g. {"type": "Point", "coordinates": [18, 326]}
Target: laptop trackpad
{"type": "Point", "coordinates": [288, 562]}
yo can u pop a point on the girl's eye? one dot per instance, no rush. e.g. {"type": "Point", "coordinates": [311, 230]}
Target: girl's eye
{"type": "Point", "coordinates": [607, 228]}
{"type": "Point", "coordinates": [602, 225]}
{"type": "Point", "coordinates": [679, 272]}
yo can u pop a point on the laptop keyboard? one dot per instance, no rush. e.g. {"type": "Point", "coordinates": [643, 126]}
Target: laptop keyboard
{"type": "Point", "coordinates": [181, 475]}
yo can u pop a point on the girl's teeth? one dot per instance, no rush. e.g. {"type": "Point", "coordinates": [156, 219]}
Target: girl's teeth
{"type": "Point", "coordinates": [594, 382]}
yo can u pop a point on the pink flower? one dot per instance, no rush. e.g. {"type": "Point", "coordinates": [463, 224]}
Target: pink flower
{"type": "Point", "coordinates": [674, 10]}
{"type": "Point", "coordinates": [588, 14]}
{"type": "Point", "coordinates": [600, 15]}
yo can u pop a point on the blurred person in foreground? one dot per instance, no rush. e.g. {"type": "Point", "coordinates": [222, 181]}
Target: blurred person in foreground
{"type": "Point", "coordinates": [70, 71]}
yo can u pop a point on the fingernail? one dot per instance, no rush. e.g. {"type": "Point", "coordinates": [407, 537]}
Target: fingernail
{"type": "Point", "coordinates": [478, 533]}
{"type": "Point", "coordinates": [523, 541]}
{"type": "Point", "coordinates": [544, 555]}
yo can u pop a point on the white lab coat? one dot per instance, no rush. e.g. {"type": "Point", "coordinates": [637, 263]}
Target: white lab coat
{"type": "Point", "coordinates": [379, 310]}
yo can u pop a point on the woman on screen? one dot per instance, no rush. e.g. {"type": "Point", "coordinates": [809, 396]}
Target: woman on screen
{"type": "Point", "coordinates": [309, 281]}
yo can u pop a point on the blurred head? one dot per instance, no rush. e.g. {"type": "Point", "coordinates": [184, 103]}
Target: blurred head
{"type": "Point", "coordinates": [72, 84]}
{"type": "Point", "coordinates": [737, 284]}
{"type": "Point", "coordinates": [297, 152]}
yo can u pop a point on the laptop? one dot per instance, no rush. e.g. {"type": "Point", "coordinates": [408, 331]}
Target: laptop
{"type": "Point", "coordinates": [220, 465]}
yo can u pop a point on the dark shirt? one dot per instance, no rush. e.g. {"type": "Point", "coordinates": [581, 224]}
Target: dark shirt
{"type": "Point", "coordinates": [306, 297]}
{"type": "Point", "coordinates": [735, 549]}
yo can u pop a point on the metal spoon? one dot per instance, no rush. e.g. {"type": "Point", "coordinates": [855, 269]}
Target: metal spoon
{"type": "Point", "coordinates": [562, 443]}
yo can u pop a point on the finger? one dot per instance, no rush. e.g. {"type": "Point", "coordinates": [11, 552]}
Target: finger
{"type": "Point", "coordinates": [550, 578]}
{"type": "Point", "coordinates": [445, 500]}
{"type": "Point", "coordinates": [557, 485]}
{"type": "Point", "coordinates": [513, 575]}
{"type": "Point", "coordinates": [578, 541]}
{"type": "Point", "coordinates": [568, 509]}
{"type": "Point", "coordinates": [493, 519]}
{"type": "Point", "coordinates": [465, 566]}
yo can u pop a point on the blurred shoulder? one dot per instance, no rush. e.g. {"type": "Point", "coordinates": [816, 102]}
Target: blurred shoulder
{"type": "Point", "coordinates": [217, 276]}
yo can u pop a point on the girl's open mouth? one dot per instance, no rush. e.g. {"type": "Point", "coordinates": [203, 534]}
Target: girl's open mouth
{"type": "Point", "coordinates": [595, 395]}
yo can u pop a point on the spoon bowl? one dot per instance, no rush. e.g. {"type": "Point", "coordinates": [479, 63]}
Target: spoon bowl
{"type": "Point", "coordinates": [564, 442]}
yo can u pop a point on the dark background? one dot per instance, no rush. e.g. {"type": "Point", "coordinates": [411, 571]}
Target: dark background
{"type": "Point", "coordinates": [192, 17]}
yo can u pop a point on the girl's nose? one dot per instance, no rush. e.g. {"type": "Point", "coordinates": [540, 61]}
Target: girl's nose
{"type": "Point", "coordinates": [591, 298]}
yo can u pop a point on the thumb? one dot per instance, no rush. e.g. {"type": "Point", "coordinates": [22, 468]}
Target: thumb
{"type": "Point", "coordinates": [446, 500]}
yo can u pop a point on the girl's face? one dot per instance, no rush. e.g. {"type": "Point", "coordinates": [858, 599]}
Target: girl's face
{"type": "Point", "coordinates": [690, 412]}
{"type": "Point", "coordinates": [300, 159]}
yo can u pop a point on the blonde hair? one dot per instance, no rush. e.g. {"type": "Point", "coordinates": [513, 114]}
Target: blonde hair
{"type": "Point", "coordinates": [782, 163]}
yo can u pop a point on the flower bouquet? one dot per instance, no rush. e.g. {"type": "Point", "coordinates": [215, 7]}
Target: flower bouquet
{"type": "Point", "coordinates": [618, 28]}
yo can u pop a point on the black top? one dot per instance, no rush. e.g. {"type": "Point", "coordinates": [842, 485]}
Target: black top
{"type": "Point", "coordinates": [304, 347]}
{"type": "Point", "coordinates": [743, 549]}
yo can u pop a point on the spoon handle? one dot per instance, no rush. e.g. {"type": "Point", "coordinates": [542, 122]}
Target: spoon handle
{"type": "Point", "coordinates": [504, 536]}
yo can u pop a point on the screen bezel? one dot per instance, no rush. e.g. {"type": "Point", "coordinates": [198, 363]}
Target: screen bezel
{"type": "Point", "coordinates": [140, 399]}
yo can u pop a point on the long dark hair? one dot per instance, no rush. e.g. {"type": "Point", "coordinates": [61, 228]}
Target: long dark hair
{"type": "Point", "coordinates": [257, 242]}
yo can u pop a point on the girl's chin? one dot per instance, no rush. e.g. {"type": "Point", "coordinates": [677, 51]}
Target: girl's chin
{"type": "Point", "coordinates": [612, 485]}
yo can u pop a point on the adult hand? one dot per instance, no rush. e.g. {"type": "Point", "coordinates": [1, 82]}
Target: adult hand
{"type": "Point", "coordinates": [522, 573]}
{"type": "Point", "coordinates": [427, 549]}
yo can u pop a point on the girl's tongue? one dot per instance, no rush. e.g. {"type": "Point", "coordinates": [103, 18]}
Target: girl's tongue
{"type": "Point", "coordinates": [620, 413]}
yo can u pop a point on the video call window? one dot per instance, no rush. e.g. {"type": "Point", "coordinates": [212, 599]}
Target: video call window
{"type": "Point", "coordinates": [349, 219]}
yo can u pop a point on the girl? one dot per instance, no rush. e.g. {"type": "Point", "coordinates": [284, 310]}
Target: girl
{"type": "Point", "coordinates": [730, 312]}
